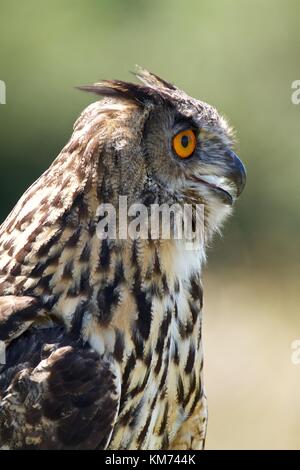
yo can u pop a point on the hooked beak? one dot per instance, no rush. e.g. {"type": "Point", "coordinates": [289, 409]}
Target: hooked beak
{"type": "Point", "coordinates": [234, 175]}
{"type": "Point", "coordinates": [236, 172]}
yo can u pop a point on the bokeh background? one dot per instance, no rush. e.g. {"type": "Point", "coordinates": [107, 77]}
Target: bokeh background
{"type": "Point", "coordinates": [242, 57]}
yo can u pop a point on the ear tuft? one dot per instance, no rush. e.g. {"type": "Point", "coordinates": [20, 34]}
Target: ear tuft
{"type": "Point", "coordinates": [119, 89]}
{"type": "Point", "coordinates": [152, 80]}
{"type": "Point", "coordinates": [154, 88]}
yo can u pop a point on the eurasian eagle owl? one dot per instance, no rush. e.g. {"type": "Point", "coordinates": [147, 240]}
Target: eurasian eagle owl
{"type": "Point", "coordinates": [102, 335]}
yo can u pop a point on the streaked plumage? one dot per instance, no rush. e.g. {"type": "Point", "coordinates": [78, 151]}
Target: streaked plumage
{"type": "Point", "coordinates": [103, 337]}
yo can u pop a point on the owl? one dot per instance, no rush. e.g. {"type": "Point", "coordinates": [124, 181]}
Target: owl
{"type": "Point", "coordinates": [100, 336]}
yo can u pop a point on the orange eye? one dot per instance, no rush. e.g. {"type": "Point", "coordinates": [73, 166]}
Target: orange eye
{"type": "Point", "coordinates": [184, 143]}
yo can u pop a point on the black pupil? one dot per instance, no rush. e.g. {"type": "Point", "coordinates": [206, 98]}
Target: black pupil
{"type": "Point", "coordinates": [184, 141]}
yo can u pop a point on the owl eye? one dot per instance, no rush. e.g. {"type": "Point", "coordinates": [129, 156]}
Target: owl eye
{"type": "Point", "coordinates": [184, 143]}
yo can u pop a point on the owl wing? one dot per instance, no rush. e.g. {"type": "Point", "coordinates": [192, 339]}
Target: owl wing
{"type": "Point", "coordinates": [17, 313]}
{"type": "Point", "coordinates": [55, 393]}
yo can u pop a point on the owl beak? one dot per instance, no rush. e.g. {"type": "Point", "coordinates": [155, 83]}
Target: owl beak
{"type": "Point", "coordinates": [233, 174]}
{"type": "Point", "coordinates": [236, 172]}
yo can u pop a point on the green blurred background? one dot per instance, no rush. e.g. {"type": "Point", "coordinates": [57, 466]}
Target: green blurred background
{"type": "Point", "coordinates": [242, 57]}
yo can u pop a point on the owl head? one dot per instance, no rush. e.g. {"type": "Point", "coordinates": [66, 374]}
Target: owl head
{"type": "Point", "coordinates": [159, 145]}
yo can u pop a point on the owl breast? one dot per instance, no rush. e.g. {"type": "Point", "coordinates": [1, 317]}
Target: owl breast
{"type": "Point", "coordinates": [160, 393]}
{"type": "Point", "coordinates": [162, 364]}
